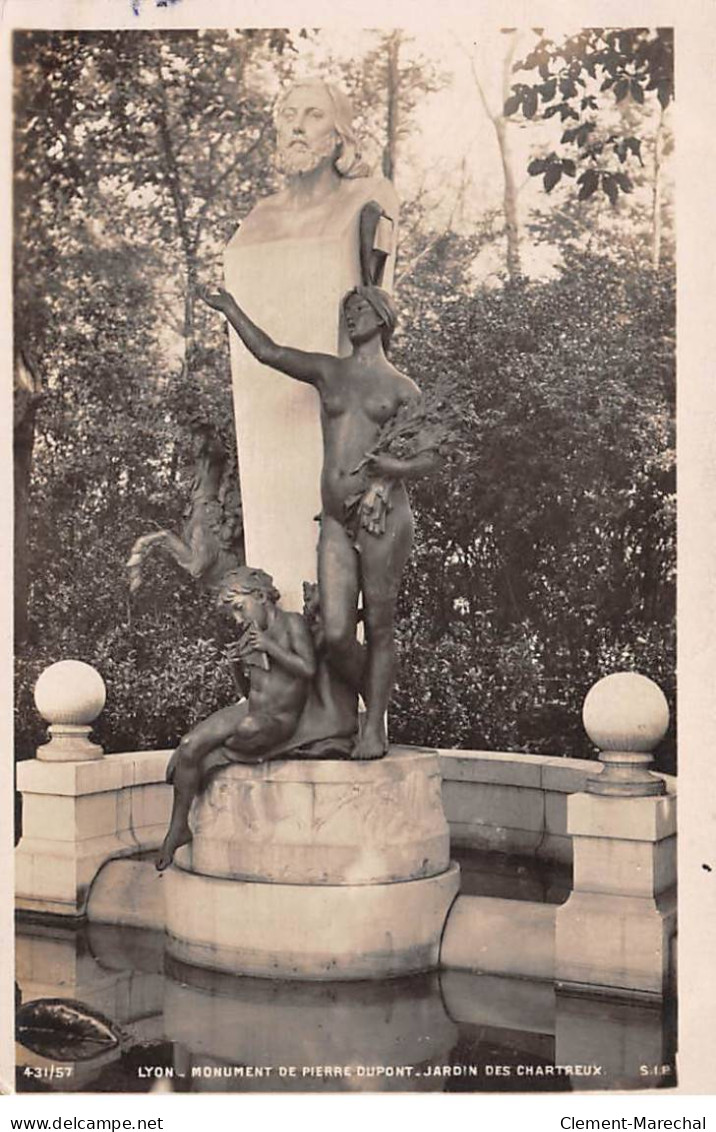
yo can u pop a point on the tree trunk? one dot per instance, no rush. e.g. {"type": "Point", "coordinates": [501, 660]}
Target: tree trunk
{"type": "Point", "coordinates": [509, 199]}
{"type": "Point", "coordinates": [512, 230]}
{"type": "Point", "coordinates": [27, 397]}
{"type": "Point", "coordinates": [189, 241]}
{"type": "Point", "coordinates": [392, 91]}
{"type": "Point", "coordinates": [657, 194]}
{"type": "Point", "coordinates": [509, 195]}
{"type": "Point", "coordinates": [192, 274]}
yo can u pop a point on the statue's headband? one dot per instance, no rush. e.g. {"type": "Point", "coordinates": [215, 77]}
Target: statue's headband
{"type": "Point", "coordinates": [381, 302]}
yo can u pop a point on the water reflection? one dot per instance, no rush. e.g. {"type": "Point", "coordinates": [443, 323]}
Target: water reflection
{"type": "Point", "coordinates": [186, 1029]}
{"type": "Point", "coordinates": [307, 1036]}
{"type": "Point", "coordinates": [513, 878]}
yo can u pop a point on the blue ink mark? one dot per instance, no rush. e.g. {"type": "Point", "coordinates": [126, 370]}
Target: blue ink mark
{"type": "Point", "coordinates": [136, 4]}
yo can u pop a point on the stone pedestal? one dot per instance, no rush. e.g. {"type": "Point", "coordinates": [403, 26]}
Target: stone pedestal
{"type": "Point", "coordinates": [616, 931]}
{"type": "Point", "coordinates": [315, 870]}
{"type": "Point", "coordinates": [77, 816]}
{"type": "Point", "coordinates": [327, 823]}
{"type": "Point", "coordinates": [292, 289]}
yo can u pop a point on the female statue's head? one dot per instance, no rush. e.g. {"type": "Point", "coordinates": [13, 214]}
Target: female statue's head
{"type": "Point", "coordinates": [382, 304]}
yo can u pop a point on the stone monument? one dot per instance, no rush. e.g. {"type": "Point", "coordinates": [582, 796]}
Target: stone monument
{"type": "Point", "coordinates": [301, 868]}
{"type": "Point", "coordinates": [290, 263]}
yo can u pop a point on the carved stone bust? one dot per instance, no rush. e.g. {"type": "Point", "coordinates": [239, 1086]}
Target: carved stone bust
{"type": "Point", "coordinates": [326, 182]}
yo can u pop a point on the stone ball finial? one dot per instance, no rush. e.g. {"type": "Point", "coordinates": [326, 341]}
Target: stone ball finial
{"type": "Point", "coordinates": [70, 695]}
{"type": "Point", "coordinates": [70, 691]}
{"type": "Point", "coordinates": [625, 712]}
{"type": "Point", "coordinates": [625, 715]}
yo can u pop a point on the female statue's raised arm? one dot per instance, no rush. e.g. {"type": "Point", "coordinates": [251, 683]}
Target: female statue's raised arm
{"type": "Point", "coordinates": [304, 365]}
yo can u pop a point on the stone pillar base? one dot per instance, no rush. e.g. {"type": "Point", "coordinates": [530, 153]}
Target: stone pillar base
{"type": "Point", "coordinates": [616, 930]}
{"type": "Point", "coordinates": [69, 743]}
{"type": "Point", "coordinates": [297, 931]}
{"type": "Point", "coordinates": [616, 942]}
{"type": "Point", "coordinates": [79, 815]}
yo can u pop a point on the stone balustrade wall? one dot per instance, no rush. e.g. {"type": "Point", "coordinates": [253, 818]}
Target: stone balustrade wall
{"type": "Point", "coordinates": [514, 803]}
{"type": "Point", "coordinates": [77, 816]}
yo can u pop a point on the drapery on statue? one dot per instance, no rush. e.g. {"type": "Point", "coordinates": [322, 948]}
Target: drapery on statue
{"type": "Point", "coordinates": [366, 522]}
{"type": "Point", "coordinates": [276, 649]}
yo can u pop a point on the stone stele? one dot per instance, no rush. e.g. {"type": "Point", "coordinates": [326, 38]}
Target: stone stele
{"type": "Point", "coordinates": [291, 285]}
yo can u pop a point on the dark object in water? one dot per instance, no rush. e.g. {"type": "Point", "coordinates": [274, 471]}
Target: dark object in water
{"type": "Point", "coordinates": [64, 1030]}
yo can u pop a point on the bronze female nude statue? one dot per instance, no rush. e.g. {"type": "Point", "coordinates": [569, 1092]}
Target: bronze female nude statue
{"type": "Point", "coordinates": [366, 521]}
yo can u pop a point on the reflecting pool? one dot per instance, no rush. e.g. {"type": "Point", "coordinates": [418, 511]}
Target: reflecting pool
{"type": "Point", "coordinates": [141, 1022]}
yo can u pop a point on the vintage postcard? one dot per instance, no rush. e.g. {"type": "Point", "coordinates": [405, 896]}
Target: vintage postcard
{"type": "Point", "coordinates": [347, 350]}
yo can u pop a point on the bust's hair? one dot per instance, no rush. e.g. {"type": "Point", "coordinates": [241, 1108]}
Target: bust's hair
{"type": "Point", "coordinates": [348, 163]}
{"type": "Point", "coordinates": [246, 579]}
{"type": "Point", "coordinates": [382, 303]}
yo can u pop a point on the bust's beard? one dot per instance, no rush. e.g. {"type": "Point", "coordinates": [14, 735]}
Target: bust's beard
{"type": "Point", "coordinates": [298, 160]}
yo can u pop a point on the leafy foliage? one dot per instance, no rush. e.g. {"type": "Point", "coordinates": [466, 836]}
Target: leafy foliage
{"type": "Point", "coordinates": [135, 153]}
{"type": "Point", "coordinates": [629, 67]}
{"type": "Point", "coordinates": [545, 558]}
{"type": "Point", "coordinates": [431, 424]}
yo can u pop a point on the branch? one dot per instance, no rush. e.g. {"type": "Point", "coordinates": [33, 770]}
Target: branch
{"type": "Point", "coordinates": [180, 206]}
{"type": "Point", "coordinates": [420, 256]}
{"type": "Point", "coordinates": [506, 71]}
{"type": "Point", "coordinates": [243, 156]}
{"type": "Point", "coordinates": [507, 68]}
{"type": "Point", "coordinates": [483, 98]}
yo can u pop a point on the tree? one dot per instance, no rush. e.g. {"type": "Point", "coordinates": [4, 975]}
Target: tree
{"type": "Point", "coordinates": [544, 557]}
{"type": "Point", "coordinates": [499, 122]}
{"type": "Point", "coordinates": [114, 219]}
{"type": "Point", "coordinates": [386, 84]}
{"type": "Point", "coordinates": [149, 146]}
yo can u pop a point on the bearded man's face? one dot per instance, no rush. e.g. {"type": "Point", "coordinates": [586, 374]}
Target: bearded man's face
{"type": "Point", "coordinates": [305, 128]}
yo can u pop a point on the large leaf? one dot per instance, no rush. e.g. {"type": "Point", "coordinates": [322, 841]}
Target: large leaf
{"type": "Point", "coordinates": [589, 182]}
{"type": "Point", "coordinates": [64, 1029]}
{"type": "Point", "coordinates": [552, 176]}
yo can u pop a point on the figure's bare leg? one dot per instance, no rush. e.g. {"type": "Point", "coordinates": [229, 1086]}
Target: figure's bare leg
{"type": "Point", "coordinates": [166, 540]}
{"type": "Point", "coordinates": [252, 740]}
{"type": "Point", "coordinates": [184, 771]}
{"type": "Point", "coordinates": [338, 584]}
{"type": "Point", "coordinates": [372, 743]}
{"type": "Point", "coordinates": [383, 560]}
{"type": "Point", "coordinates": [187, 775]}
